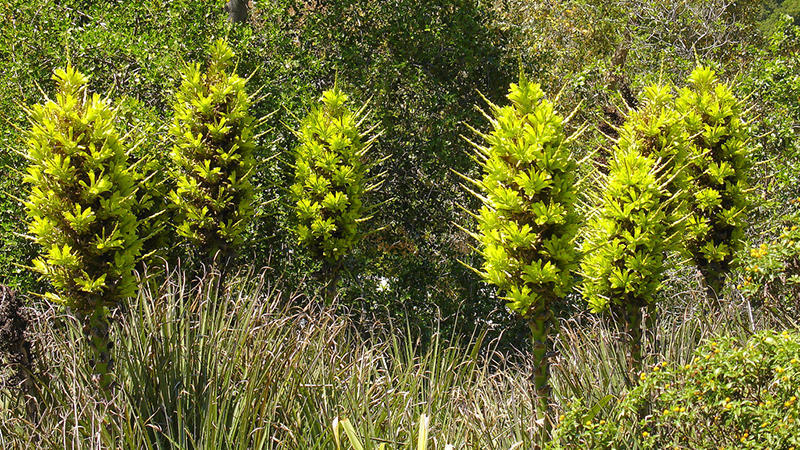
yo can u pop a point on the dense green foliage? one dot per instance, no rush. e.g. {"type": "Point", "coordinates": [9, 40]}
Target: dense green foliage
{"type": "Point", "coordinates": [331, 177]}
{"type": "Point", "coordinates": [731, 395]}
{"type": "Point", "coordinates": [80, 205]}
{"type": "Point", "coordinates": [421, 64]}
{"type": "Point", "coordinates": [528, 222]}
{"type": "Point", "coordinates": [213, 155]}
{"type": "Point", "coordinates": [718, 170]}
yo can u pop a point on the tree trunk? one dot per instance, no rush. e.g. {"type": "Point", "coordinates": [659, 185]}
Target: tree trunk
{"type": "Point", "coordinates": [237, 11]}
{"type": "Point", "coordinates": [16, 347]}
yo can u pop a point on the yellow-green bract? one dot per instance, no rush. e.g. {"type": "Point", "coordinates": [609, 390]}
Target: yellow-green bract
{"type": "Point", "coordinates": [528, 222]}
{"type": "Point", "coordinates": [331, 177]}
{"type": "Point", "coordinates": [640, 213]}
{"type": "Point", "coordinates": [718, 170]}
{"type": "Point", "coordinates": [213, 154]}
{"type": "Point", "coordinates": [80, 207]}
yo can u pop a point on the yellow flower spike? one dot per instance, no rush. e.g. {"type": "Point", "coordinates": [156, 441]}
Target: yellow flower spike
{"type": "Point", "coordinates": [645, 433]}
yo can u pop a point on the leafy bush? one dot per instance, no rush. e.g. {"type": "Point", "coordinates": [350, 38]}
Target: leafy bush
{"type": "Point", "coordinates": [638, 215]}
{"type": "Point", "coordinates": [771, 273]}
{"type": "Point", "coordinates": [331, 177]}
{"type": "Point", "coordinates": [731, 395]}
{"type": "Point", "coordinates": [213, 155]}
{"type": "Point", "coordinates": [80, 204]}
{"type": "Point", "coordinates": [528, 223]}
{"type": "Point", "coordinates": [719, 169]}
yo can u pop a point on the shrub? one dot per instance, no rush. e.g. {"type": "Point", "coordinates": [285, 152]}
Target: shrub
{"type": "Point", "coordinates": [771, 274]}
{"type": "Point", "coordinates": [528, 222]}
{"type": "Point", "coordinates": [213, 155]}
{"type": "Point", "coordinates": [331, 176]}
{"type": "Point", "coordinates": [718, 168]}
{"type": "Point", "coordinates": [79, 207]}
{"type": "Point", "coordinates": [731, 395]}
{"type": "Point", "coordinates": [639, 214]}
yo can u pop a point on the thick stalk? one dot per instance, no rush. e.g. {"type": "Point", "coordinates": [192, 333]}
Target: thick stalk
{"type": "Point", "coordinates": [712, 281]}
{"type": "Point", "coordinates": [633, 327]}
{"type": "Point", "coordinates": [96, 329]}
{"type": "Point", "coordinates": [539, 324]}
{"type": "Point", "coordinates": [332, 282]}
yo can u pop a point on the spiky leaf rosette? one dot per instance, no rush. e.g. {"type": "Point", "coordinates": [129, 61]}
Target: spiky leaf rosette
{"type": "Point", "coordinates": [642, 206]}
{"type": "Point", "coordinates": [331, 177]}
{"type": "Point", "coordinates": [528, 221]}
{"type": "Point", "coordinates": [213, 154]}
{"type": "Point", "coordinates": [719, 169]}
{"type": "Point", "coordinates": [82, 192]}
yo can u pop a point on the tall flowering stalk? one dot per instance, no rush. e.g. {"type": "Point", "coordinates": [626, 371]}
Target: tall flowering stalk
{"type": "Point", "coordinates": [213, 155]}
{"type": "Point", "coordinates": [332, 175]}
{"type": "Point", "coordinates": [528, 222]}
{"type": "Point", "coordinates": [640, 215]}
{"type": "Point", "coordinates": [719, 169]}
{"type": "Point", "coordinates": [82, 193]}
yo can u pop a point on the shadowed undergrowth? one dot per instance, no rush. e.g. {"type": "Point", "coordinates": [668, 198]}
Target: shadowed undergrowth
{"type": "Point", "coordinates": [251, 366]}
